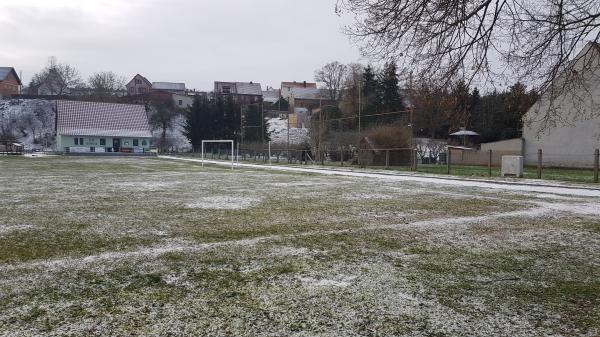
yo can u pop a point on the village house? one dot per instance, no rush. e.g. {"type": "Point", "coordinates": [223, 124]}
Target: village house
{"type": "Point", "coordinates": [178, 88]}
{"type": "Point", "coordinates": [286, 87]}
{"type": "Point", "coordinates": [309, 98]}
{"type": "Point", "coordinates": [10, 83]}
{"type": "Point", "coordinates": [241, 92]}
{"type": "Point", "coordinates": [138, 85]}
{"type": "Point", "coordinates": [271, 95]}
{"type": "Point", "coordinates": [572, 133]}
{"type": "Point", "coordinates": [95, 127]}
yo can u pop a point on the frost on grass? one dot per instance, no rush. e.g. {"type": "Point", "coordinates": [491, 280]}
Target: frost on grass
{"type": "Point", "coordinates": [12, 228]}
{"type": "Point", "coordinates": [170, 248]}
{"type": "Point", "coordinates": [223, 202]}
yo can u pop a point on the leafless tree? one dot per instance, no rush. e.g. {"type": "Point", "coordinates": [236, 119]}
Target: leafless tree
{"type": "Point", "coordinates": [431, 105]}
{"type": "Point", "coordinates": [162, 117]}
{"type": "Point", "coordinates": [57, 77]}
{"type": "Point", "coordinates": [535, 41]}
{"type": "Point", "coordinates": [429, 148]}
{"type": "Point", "coordinates": [332, 76]}
{"type": "Point", "coordinates": [106, 84]}
{"type": "Point", "coordinates": [351, 89]}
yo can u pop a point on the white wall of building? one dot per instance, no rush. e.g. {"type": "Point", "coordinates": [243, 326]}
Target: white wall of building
{"type": "Point", "coordinates": [567, 129]}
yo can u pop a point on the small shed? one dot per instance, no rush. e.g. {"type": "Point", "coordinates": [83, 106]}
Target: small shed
{"type": "Point", "coordinates": [372, 154]}
{"type": "Point", "coordinates": [464, 138]}
{"type": "Point", "coordinates": [11, 147]}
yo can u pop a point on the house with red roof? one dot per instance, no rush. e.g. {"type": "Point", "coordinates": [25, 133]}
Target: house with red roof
{"type": "Point", "coordinates": [10, 83]}
{"type": "Point", "coordinates": [97, 127]}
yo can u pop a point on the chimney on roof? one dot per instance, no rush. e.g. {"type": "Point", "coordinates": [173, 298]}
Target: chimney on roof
{"type": "Point", "coordinates": [250, 82]}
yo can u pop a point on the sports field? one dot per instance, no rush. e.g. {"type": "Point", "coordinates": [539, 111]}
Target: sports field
{"type": "Point", "coordinates": [134, 246]}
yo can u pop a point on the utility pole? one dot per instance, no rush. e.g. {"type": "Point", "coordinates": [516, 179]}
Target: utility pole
{"type": "Point", "coordinates": [262, 125]}
{"type": "Point", "coordinates": [320, 125]}
{"type": "Point", "coordinates": [359, 113]}
{"type": "Point", "coordinates": [288, 133]}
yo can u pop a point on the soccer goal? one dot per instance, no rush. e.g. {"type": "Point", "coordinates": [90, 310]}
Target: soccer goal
{"type": "Point", "coordinates": [218, 141]}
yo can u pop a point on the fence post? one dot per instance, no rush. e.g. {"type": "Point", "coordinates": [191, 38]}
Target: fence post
{"type": "Point", "coordinates": [539, 165]}
{"type": "Point", "coordinates": [448, 159]}
{"type": "Point", "coordinates": [414, 155]}
{"type": "Point", "coordinates": [387, 159]}
{"type": "Point", "coordinates": [342, 156]}
{"type": "Point", "coordinates": [596, 164]}
{"type": "Point", "coordinates": [490, 164]}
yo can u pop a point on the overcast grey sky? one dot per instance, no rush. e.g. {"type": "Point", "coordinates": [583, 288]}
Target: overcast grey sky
{"type": "Point", "coordinates": [191, 41]}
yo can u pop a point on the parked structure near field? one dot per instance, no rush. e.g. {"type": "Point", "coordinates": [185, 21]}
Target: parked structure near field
{"type": "Point", "coordinates": [565, 122]}
{"type": "Point", "coordinates": [10, 83]}
{"type": "Point", "coordinates": [94, 127]}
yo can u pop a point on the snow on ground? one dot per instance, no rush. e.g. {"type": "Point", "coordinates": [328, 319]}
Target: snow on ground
{"type": "Point", "coordinates": [278, 130]}
{"type": "Point", "coordinates": [111, 248]}
{"type": "Point", "coordinates": [27, 118]}
{"type": "Point", "coordinates": [467, 183]}
{"type": "Point", "coordinates": [223, 202]}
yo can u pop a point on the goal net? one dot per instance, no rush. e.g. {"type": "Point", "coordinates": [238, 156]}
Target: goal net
{"type": "Point", "coordinates": [218, 142]}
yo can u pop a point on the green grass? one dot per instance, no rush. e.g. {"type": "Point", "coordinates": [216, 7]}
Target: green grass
{"type": "Point", "coordinates": [530, 172]}
{"type": "Point", "coordinates": [111, 246]}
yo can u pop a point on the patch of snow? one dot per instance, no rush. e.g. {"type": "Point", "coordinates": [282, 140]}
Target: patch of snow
{"type": "Point", "coordinates": [290, 251]}
{"type": "Point", "coordinates": [278, 131]}
{"type": "Point", "coordinates": [13, 228]}
{"type": "Point", "coordinates": [223, 202]}
{"type": "Point", "coordinates": [146, 185]}
{"type": "Point", "coordinates": [341, 282]}
{"type": "Point", "coordinates": [468, 183]}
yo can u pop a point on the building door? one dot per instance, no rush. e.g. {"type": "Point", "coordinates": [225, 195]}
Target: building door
{"type": "Point", "coordinates": [116, 144]}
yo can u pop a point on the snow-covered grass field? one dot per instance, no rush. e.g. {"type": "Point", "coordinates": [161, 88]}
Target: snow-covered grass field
{"type": "Point", "coordinates": [138, 246]}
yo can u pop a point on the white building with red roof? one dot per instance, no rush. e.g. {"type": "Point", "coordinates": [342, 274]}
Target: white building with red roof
{"type": "Point", "coordinates": [96, 127]}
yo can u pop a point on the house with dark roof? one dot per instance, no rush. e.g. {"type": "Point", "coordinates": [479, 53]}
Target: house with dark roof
{"type": "Point", "coordinates": [10, 83]}
{"type": "Point", "coordinates": [242, 92]}
{"type": "Point", "coordinates": [138, 85]}
{"type": "Point", "coordinates": [96, 127]}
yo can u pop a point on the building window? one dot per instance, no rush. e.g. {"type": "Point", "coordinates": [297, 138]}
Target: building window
{"type": "Point", "coordinates": [226, 89]}
{"type": "Point", "coordinates": [102, 141]}
{"type": "Point", "coordinates": [138, 81]}
{"type": "Point", "coordinates": [76, 141]}
{"type": "Point", "coordinates": [135, 142]}
{"type": "Point", "coordinates": [180, 102]}
{"type": "Point", "coordinates": [80, 141]}
{"type": "Point", "coordinates": [144, 143]}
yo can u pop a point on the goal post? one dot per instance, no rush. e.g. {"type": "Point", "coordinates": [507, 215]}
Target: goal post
{"type": "Point", "coordinates": [219, 141]}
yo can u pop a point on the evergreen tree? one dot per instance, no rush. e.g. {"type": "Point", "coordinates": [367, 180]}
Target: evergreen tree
{"type": "Point", "coordinates": [255, 128]}
{"type": "Point", "coordinates": [370, 91]}
{"type": "Point", "coordinates": [390, 89]}
{"type": "Point", "coordinates": [195, 123]}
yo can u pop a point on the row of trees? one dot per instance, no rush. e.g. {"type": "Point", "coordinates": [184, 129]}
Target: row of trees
{"type": "Point", "coordinates": [375, 91]}
{"type": "Point", "coordinates": [536, 42]}
{"type": "Point", "coordinates": [497, 115]}
{"type": "Point", "coordinates": [59, 78]}
{"type": "Point", "coordinates": [438, 108]}
{"type": "Point", "coordinates": [224, 118]}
